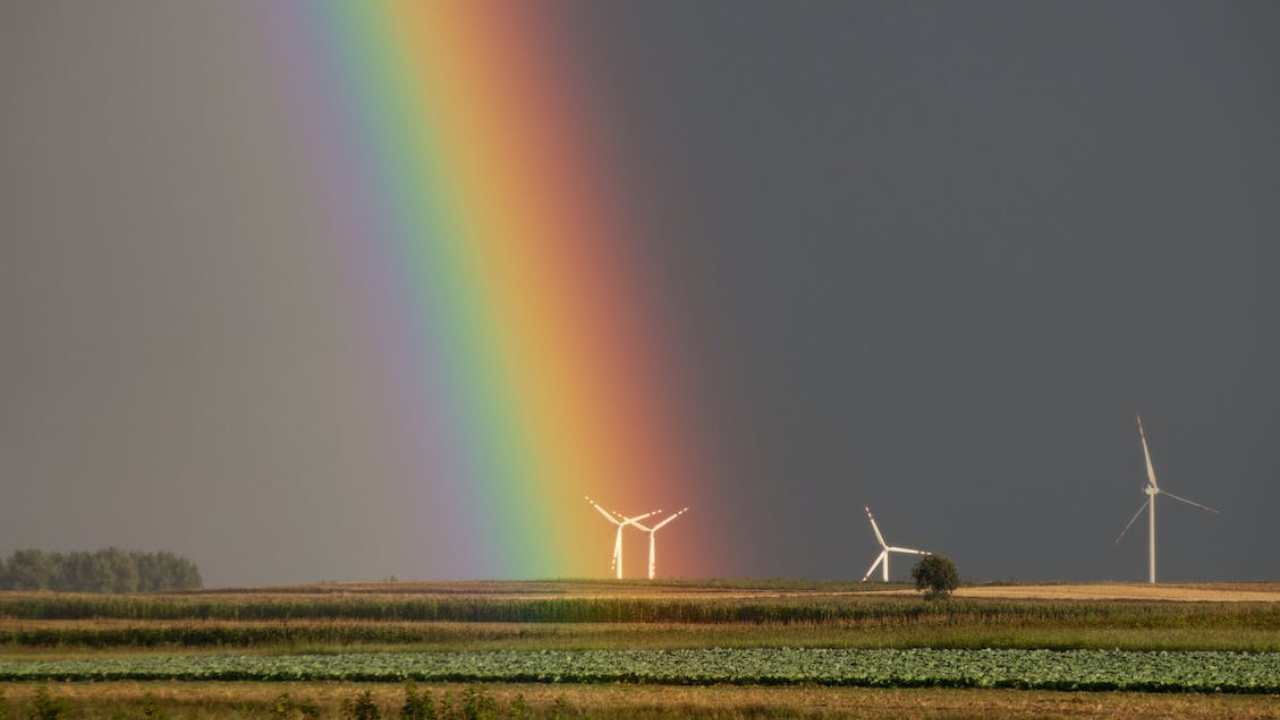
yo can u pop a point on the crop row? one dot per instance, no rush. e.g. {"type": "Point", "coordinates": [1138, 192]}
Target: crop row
{"type": "Point", "coordinates": [809, 610]}
{"type": "Point", "coordinates": [231, 634]}
{"type": "Point", "coordinates": [310, 635]}
{"type": "Point", "coordinates": [1026, 669]}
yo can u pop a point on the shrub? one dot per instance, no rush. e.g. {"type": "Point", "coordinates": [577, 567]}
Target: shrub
{"type": "Point", "coordinates": [361, 708]}
{"type": "Point", "coordinates": [286, 708]}
{"type": "Point", "coordinates": [478, 705]}
{"type": "Point", "coordinates": [936, 575]}
{"type": "Point", "coordinates": [417, 706]}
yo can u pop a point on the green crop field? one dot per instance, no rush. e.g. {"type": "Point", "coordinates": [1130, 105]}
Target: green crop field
{"type": "Point", "coordinates": [1031, 669]}
{"type": "Point", "coordinates": [732, 638]}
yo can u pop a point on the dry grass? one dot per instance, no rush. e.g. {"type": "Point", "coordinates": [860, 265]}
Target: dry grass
{"type": "Point", "coordinates": [581, 588]}
{"type": "Point", "coordinates": [747, 589]}
{"type": "Point", "coordinates": [233, 699]}
{"type": "Point", "coordinates": [1223, 592]}
{"type": "Point", "coordinates": [708, 589]}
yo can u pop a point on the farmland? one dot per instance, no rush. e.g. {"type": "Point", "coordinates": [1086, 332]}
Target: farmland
{"type": "Point", "coordinates": [1023, 669]}
{"type": "Point", "coordinates": [209, 701]}
{"type": "Point", "coordinates": [734, 638]}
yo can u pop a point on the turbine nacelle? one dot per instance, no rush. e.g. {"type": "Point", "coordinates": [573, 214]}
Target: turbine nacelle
{"type": "Point", "coordinates": [1152, 489]}
{"type": "Point", "coordinates": [882, 560]}
{"type": "Point", "coordinates": [621, 521]}
{"type": "Point", "coordinates": [653, 531]}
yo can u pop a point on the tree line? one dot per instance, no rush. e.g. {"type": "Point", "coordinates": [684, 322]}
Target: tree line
{"type": "Point", "coordinates": [106, 571]}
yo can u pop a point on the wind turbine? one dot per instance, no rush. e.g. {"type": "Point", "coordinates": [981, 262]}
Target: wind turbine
{"type": "Point", "coordinates": [1152, 490]}
{"type": "Point", "coordinates": [883, 558]}
{"type": "Point", "coordinates": [652, 532]}
{"type": "Point", "coordinates": [621, 521]}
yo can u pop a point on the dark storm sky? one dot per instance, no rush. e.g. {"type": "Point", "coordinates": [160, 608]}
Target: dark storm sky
{"type": "Point", "coordinates": [930, 257]}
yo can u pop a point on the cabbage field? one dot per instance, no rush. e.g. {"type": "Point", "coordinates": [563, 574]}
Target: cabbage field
{"type": "Point", "coordinates": [1027, 669]}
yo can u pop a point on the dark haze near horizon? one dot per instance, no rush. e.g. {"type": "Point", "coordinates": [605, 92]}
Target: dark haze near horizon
{"type": "Point", "coordinates": [927, 257]}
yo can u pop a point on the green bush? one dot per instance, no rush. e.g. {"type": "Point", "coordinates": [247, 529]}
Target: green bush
{"type": "Point", "coordinates": [417, 706]}
{"type": "Point", "coordinates": [284, 707]}
{"type": "Point", "coordinates": [362, 707]}
{"type": "Point", "coordinates": [936, 575]}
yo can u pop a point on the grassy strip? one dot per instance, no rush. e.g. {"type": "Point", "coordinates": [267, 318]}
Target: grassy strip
{"type": "Point", "coordinates": [325, 636]}
{"type": "Point", "coordinates": [251, 701]}
{"type": "Point", "coordinates": [802, 609]}
{"type": "Point", "coordinates": [566, 586]}
{"type": "Point", "coordinates": [1021, 669]}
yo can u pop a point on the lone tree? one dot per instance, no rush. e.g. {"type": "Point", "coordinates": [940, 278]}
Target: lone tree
{"type": "Point", "coordinates": [936, 575]}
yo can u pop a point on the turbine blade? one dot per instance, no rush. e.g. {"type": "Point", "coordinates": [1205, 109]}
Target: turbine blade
{"type": "Point", "coordinates": [908, 551]}
{"type": "Point", "coordinates": [605, 513]}
{"type": "Point", "coordinates": [1146, 451]}
{"type": "Point", "coordinates": [875, 564]}
{"type": "Point", "coordinates": [875, 527]}
{"type": "Point", "coordinates": [673, 517]}
{"type": "Point", "coordinates": [1141, 507]}
{"type": "Point", "coordinates": [1190, 502]}
{"type": "Point", "coordinates": [632, 520]}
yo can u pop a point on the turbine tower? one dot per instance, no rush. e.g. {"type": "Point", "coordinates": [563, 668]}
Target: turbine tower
{"type": "Point", "coordinates": [1152, 490]}
{"type": "Point", "coordinates": [883, 558]}
{"type": "Point", "coordinates": [621, 521]}
{"type": "Point", "coordinates": [652, 532]}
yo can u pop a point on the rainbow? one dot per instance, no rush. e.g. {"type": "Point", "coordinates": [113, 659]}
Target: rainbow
{"type": "Point", "coordinates": [449, 145]}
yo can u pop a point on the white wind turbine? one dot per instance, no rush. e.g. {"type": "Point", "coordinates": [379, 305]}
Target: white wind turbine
{"type": "Point", "coordinates": [652, 532]}
{"type": "Point", "coordinates": [883, 558]}
{"type": "Point", "coordinates": [1152, 490]}
{"type": "Point", "coordinates": [621, 521]}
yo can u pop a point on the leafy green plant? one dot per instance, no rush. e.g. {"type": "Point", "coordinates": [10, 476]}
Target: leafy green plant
{"type": "Point", "coordinates": [1194, 671]}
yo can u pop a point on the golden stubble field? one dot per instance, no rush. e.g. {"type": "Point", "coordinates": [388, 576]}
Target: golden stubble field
{"type": "Point", "coordinates": [1218, 592]}
{"type": "Point", "coordinates": [694, 590]}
